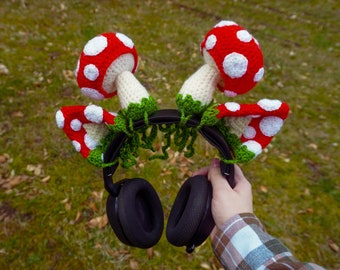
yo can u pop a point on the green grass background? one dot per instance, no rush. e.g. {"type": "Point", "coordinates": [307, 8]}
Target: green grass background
{"type": "Point", "coordinates": [295, 182]}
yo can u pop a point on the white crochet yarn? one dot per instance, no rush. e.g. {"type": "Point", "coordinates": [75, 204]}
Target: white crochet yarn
{"type": "Point", "coordinates": [201, 85]}
{"type": "Point", "coordinates": [130, 90]}
{"type": "Point", "coordinates": [122, 63]}
{"type": "Point", "coordinates": [237, 124]}
{"type": "Point", "coordinates": [96, 132]}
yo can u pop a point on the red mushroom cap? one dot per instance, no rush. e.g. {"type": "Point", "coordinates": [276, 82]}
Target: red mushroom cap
{"type": "Point", "coordinates": [237, 56]}
{"type": "Point", "coordinates": [102, 59]}
{"type": "Point", "coordinates": [77, 121]}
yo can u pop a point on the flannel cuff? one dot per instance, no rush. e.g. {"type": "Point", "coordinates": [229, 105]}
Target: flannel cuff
{"type": "Point", "coordinates": [242, 243]}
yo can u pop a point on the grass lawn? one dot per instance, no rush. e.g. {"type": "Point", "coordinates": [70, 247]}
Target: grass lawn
{"type": "Point", "coordinates": [52, 201]}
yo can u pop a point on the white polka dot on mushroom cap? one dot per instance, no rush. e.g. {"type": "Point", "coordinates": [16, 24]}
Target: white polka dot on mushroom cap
{"type": "Point", "coordinates": [270, 125]}
{"type": "Point", "coordinates": [225, 23]}
{"type": "Point", "coordinates": [76, 146]}
{"type": "Point", "coordinates": [94, 114]}
{"type": "Point", "coordinates": [125, 39]}
{"type": "Point", "coordinates": [259, 75]}
{"type": "Point", "coordinates": [253, 146]}
{"type": "Point", "coordinates": [92, 93]}
{"type": "Point", "coordinates": [211, 42]}
{"type": "Point", "coordinates": [230, 93]}
{"type": "Point", "coordinates": [269, 104]}
{"type": "Point", "coordinates": [244, 36]}
{"type": "Point", "coordinates": [249, 132]}
{"type": "Point", "coordinates": [75, 125]}
{"type": "Point", "coordinates": [91, 72]}
{"type": "Point", "coordinates": [60, 119]}
{"type": "Point", "coordinates": [232, 106]}
{"type": "Point", "coordinates": [95, 46]}
{"type": "Point", "coordinates": [90, 142]}
{"type": "Point", "coordinates": [235, 65]}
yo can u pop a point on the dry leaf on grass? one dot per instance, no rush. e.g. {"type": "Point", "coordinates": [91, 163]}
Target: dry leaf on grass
{"type": "Point", "coordinates": [134, 265]}
{"type": "Point", "coordinates": [4, 158]}
{"type": "Point", "coordinates": [68, 206]}
{"type": "Point", "coordinates": [264, 189]}
{"type": "Point", "coordinates": [306, 211]}
{"type": "Point", "coordinates": [9, 183]}
{"type": "Point", "coordinates": [3, 70]}
{"type": "Point", "coordinates": [68, 75]}
{"type": "Point", "coordinates": [333, 246]}
{"type": "Point", "coordinates": [205, 265]}
{"type": "Point", "coordinates": [97, 195]}
{"type": "Point", "coordinates": [150, 253]}
{"type": "Point", "coordinates": [79, 217]}
{"type": "Point", "coordinates": [45, 179]}
{"type": "Point", "coordinates": [67, 203]}
{"type": "Point", "coordinates": [37, 170]}
{"type": "Point", "coordinates": [93, 207]}
{"type": "Point", "coordinates": [98, 222]}
{"type": "Point", "coordinates": [313, 146]}
{"type": "Point", "coordinates": [119, 253]}
{"type": "Point", "coordinates": [17, 114]}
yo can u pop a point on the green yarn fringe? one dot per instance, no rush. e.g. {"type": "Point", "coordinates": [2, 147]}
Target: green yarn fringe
{"type": "Point", "coordinates": [189, 107]}
{"type": "Point", "coordinates": [179, 135]}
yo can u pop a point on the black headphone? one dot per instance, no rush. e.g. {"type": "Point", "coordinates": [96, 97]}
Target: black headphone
{"type": "Point", "coordinates": [134, 209]}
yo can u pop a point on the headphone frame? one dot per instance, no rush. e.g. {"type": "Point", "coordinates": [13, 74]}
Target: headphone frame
{"type": "Point", "coordinates": [168, 116]}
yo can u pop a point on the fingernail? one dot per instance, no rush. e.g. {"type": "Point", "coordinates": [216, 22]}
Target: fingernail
{"type": "Point", "coordinates": [215, 163]}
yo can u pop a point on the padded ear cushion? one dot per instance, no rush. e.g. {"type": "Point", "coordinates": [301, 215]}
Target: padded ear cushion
{"type": "Point", "coordinates": [190, 221]}
{"type": "Point", "coordinates": [136, 214]}
{"type": "Point", "coordinates": [112, 215]}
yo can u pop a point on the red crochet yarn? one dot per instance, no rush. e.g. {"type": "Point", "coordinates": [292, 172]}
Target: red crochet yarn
{"type": "Point", "coordinates": [104, 57]}
{"type": "Point", "coordinates": [265, 119]}
{"type": "Point", "coordinates": [237, 56]}
{"type": "Point", "coordinates": [84, 125]}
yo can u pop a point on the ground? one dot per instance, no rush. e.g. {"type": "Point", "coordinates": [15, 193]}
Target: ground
{"type": "Point", "coordinates": [52, 201]}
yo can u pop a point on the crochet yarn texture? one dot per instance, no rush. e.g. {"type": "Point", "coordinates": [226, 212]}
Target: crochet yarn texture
{"type": "Point", "coordinates": [233, 64]}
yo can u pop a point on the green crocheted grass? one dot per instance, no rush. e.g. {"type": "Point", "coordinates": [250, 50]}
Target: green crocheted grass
{"type": "Point", "coordinates": [241, 152]}
{"type": "Point", "coordinates": [176, 136]}
{"type": "Point", "coordinates": [124, 123]}
{"type": "Point", "coordinates": [188, 106]}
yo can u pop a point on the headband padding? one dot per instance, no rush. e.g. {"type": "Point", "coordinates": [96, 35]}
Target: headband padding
{"type": "Point", "coordinates": [139, 214]}
{"type": "Point", "coordinates": [191, 207]}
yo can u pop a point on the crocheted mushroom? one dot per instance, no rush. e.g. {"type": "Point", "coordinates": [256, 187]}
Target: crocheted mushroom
{"type": "Point", "coordinates": [233, 63]}
{"type": "Point", "coordinates": [85, 126]}
{"type": "Point", "coordinates": [254, 124]}
{"type": "Point", "coordinates": [106, 66]}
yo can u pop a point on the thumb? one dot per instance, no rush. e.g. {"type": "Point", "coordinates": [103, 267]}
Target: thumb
{"type": "Point", "coordinates": [242, 184]}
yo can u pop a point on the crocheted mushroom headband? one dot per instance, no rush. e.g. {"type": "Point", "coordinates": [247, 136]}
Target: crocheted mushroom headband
{"type": "Point", "coordinates": [233, 65]}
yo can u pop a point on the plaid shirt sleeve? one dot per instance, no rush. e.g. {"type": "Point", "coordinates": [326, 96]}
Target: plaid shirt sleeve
{"type": "Point", "coordinates": [242, 243]}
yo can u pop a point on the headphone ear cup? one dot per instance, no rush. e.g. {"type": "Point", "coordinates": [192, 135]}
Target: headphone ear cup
{"type": "Point", "coordinates": [112, 215]}
{"type": "Point", "coordinates": [136, 214]}
{"type": "Point", "coordinates": [190, 221]}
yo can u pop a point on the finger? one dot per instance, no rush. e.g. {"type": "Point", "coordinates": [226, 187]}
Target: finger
{"type": "Point", "coordinates": [201, 171]}
{"type": "Point", "coordinates": [241, 182]}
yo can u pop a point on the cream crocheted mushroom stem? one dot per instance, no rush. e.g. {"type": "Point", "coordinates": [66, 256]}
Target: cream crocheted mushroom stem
{"type": "Point", "coordinates": [202, 84]}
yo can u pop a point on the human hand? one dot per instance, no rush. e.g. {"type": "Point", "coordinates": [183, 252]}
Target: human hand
{"type": "Point", "coordinates": [227, 202]}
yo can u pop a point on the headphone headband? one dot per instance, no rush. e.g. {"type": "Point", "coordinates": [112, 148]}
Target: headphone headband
{"type": "Point", "coordinates": [168, 116]}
